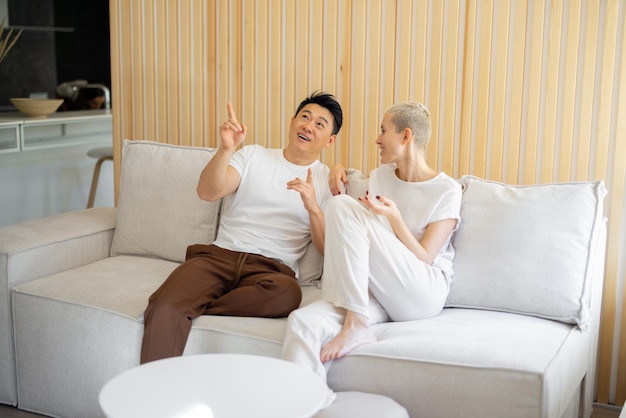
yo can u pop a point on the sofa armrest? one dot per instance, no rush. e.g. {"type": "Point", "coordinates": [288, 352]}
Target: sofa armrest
{"type": "Point", "coordinates": [41, 247]}
{"type": "Point", "coordinates": [38, 248]}
{"type": "Point", "coordinates": [589, 382]}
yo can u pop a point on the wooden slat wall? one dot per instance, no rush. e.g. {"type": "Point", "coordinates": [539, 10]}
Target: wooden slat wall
{"type": "Point", "coordinates": [521, 91]}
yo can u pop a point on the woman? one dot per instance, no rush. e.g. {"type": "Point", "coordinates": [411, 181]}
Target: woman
{"type": "Point", "coordinates": [392, 250]}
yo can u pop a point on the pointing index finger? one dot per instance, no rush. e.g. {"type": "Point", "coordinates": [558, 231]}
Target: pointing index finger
{"type": "Point", "coordinates": [232, 117]}
{"type": "Point", "coordinates": [231, 112]}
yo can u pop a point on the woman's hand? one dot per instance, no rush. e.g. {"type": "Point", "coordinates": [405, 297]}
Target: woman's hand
{"type": "Point", "coordinates": [337, 179]}
{"type": "Point", "coordinates": [434, 237]}
{"type": "Point", "coordinates": [386, 207]}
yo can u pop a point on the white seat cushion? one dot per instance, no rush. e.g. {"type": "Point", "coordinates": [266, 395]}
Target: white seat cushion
{"type": "Point", "coordinates": [476, 362]}
{"type": "Point", "coordinates": [90, 318]}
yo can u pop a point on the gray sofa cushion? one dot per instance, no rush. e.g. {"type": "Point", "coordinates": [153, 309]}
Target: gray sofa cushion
{"type": "Point", "coordinates": [159, 211]}
{"type": "Point", "coordinates": [526, 249]}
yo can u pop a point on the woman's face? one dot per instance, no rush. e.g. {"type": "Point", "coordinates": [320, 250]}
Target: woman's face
{"type": "Point", "coordinates": [389, 141]}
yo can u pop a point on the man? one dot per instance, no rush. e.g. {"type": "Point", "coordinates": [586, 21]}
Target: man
{"type": "Point", "coordinates": [272, 210]}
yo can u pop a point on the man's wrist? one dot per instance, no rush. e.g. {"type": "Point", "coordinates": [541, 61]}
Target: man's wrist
{"type": "Point", "coordinates": [226, 151]}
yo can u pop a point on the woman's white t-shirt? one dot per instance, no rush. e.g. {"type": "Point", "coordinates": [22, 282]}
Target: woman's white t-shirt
{"type": "Point", "coordinates": [262, 216]}
{"type": "Point", "coordinates": [421, 203]}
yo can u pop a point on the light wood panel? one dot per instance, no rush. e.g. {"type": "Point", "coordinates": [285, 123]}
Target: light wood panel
{"type": "Point", "coordinates": [588, 89]}
{"type": "Point", "coordinates": [515, 91]}
{"type": "Point", "coordinates": [433, 84]}
{"type": "Point", "coordinates": [533, 91]}
{"type": "Point", "coordinates": [500, 40]}
{"type": "Point", "coordinates": [451, 92]}
{"type": "Point", "coordinates": [468, 97]}
{"type": "Point", "coordinates": [601, 170]}
{"type": "Point", "coordinates": [522, 91]}
{"type": "Point", "coordinates": [616, 213]}
{"type": "Point", "coordinates": [569, 78]}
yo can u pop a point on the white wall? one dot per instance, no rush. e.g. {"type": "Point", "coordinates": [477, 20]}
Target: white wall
{"type": "Point", "coordinates": [45, 182]}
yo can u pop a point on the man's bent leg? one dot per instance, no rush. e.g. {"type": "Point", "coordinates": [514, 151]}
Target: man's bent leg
{"type": "Point", "coordinates": [182, 297]}
{"type": "Point", "coordinates": [266, 288]}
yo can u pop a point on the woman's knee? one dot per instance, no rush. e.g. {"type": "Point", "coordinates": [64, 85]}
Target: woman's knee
{"type": "Point", "coordinates": [340, 202]}
{"type": "Point", "coordinates": [341, 206]}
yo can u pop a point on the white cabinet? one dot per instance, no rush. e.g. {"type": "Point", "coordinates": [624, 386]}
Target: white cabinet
{"type": "Point", "coordinates": [22, 133]}
{"type": "Point", "coordinates": [56, 134]}
{"type": "Point", "coordinates": [9, 137]}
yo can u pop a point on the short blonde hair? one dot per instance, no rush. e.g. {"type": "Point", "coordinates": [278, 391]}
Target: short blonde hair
{"type": "Point", "coordinates": [412, 115]}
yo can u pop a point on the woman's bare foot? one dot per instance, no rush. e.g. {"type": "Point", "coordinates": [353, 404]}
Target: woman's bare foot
{"type": "Point", "coordinates": [356, 331]}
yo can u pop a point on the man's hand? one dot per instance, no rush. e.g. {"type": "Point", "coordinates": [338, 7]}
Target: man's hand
{"type": "Point", "coordinates": [306, 190]}
{"type": "Point", "coordinates": [338, 177]}
{"type": "Point", "coordinates": [218, 179]}
{"type": "Point", "coordinates": [232, 132]}
{"type": "Point", "coordinates": [316, 216]}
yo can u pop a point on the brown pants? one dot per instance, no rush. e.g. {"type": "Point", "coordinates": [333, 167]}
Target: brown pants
{"type": "Point", "coordinates": [215, 281]}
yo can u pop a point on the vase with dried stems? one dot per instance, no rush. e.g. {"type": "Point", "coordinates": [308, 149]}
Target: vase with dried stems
{"type": "Point", "coordinates": [7, 41]}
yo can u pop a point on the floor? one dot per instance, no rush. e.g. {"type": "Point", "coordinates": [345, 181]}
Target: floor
{"type": "Point", "coordinates": [10, 412]}
{"type": "Point", "coordinates": [599, 411]}
{"type": "Point", "coordinates": [605, 412]}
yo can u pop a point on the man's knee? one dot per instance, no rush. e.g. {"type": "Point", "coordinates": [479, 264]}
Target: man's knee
{"type": "Point", "coordinates": [291, 295]}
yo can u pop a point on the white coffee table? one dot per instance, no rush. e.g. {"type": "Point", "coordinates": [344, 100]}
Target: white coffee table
{"type": "Point", "coordinates": [215, 385]}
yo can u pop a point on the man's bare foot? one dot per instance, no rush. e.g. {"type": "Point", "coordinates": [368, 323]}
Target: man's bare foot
{"type": "Point", "coordinates": [355, 332]}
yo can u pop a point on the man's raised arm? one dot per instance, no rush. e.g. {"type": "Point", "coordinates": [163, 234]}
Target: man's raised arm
{"type": "Point", "coordinates": [218, 178]}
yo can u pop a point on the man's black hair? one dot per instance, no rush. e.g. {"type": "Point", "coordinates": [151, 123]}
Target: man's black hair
{"type": "Point", "coordinates": [329, 102]}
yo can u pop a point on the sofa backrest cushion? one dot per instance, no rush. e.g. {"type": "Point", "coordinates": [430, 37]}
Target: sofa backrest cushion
{"type": "Point", "coordinates": [527, 249]}
{"type": "Point", "coordinates": [159, 212]}
{"type": "Point", "coordinates": [310, 266]}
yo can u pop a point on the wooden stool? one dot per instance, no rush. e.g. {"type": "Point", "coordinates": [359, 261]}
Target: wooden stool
{"type": "Point", "coordinates": [102, 154]}
{"type": "Point", "coordinates": [363, 405]}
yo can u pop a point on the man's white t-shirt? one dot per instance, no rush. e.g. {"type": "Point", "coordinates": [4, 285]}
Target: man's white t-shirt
{"type": "Point", "coordinates": [262, 216]}
{"type": "Point", "coordinates": [421, 203]}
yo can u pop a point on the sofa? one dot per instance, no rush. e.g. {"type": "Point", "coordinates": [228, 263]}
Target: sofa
{"type": "Point", "coordinates": [517, 338]}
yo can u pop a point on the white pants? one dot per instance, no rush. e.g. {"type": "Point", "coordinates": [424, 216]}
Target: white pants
{"type": "Point", "coordinates": [309, 328]}
{"type": "Point", "coordinates": [362, 258]}
{"type": "Point", "coordinates": [362, 254]}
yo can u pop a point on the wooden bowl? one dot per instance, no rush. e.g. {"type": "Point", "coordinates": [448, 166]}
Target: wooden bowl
{"type": "Point", "coordinates": [36, 107]}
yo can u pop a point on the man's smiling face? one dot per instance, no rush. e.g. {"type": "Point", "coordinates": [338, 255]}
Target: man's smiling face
{"type": "Point", "coordinates": [312, 128]}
